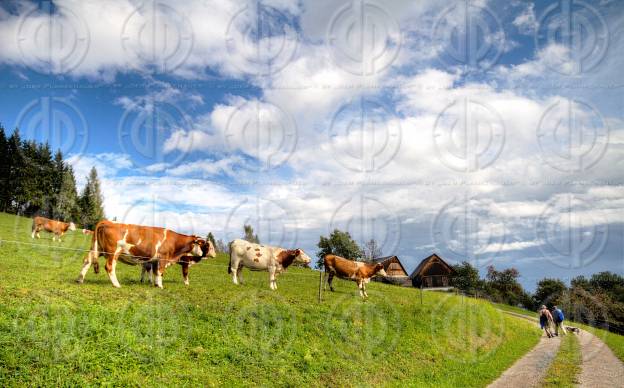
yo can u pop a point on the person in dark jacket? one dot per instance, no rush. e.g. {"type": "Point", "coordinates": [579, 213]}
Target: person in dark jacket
{"type": "Point", "coordinates": [558, 317]}
{"type": "Point", "coordinates": [545, 320]}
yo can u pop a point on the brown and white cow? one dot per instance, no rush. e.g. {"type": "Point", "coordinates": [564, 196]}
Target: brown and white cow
{"type": "Point", "coordinates": [57, 228]}
{"type": "Point", "coordinates": [258, 257]}
{"type": "Point", "coordinates": [357, 271]}
{"type": "Point", "coordinates": [87, 231]}
{"type": "Point", "coordinates": [136, 244]}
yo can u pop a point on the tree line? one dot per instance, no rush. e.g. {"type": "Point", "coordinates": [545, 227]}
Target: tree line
{"type": "Point", "coordinates": [597, 300]}
{"type": "Point", "coordinates": [34, 181]}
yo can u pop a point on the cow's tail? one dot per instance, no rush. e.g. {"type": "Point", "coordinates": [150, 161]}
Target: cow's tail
{"type": "Point", "coordinates": [230, 263]}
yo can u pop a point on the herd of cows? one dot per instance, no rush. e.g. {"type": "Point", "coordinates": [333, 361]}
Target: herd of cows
{"type": "Point", "coordinates": [156, 248]}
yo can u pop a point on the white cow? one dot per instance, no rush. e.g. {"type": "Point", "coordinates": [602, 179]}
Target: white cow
{"type": "Point", "coordinates": [262, 258]}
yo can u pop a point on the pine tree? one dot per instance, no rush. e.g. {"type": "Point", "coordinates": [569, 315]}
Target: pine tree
{"type": "Point", "coordinates": [17, 172]}
{"type": "Point", "coordinates": [67, 208]}
{"type": "Point", "coordinates": [249, 234]}
{"type": "Point", "coordinates": [212, 240]}
{"type": "Point", "coordinates": [91, 202]}
{"type": "Point", "coordinates": [58, 170]}
{"type": "Point", "coordinates": [4, 171]}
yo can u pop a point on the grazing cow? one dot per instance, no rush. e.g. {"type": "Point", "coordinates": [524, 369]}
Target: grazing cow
{"type": "Point", "coordinates": [87, 231]}
{"type": "Point", "coordinates": [258, 257]}
{"type": "Point", "coordinates": [57, 228]}
{"type": "Point", "coordinates": [136, 244]}
{"type": "Point", "coordinates": [352, 270]}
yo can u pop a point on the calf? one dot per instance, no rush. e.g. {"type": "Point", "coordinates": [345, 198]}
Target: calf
{"type": "Point", "coordinates": [262, 258]}
{"type": "Point", "coordinates": [57, 228]}
{"type": "Point", "coordinates": [352, 270]}
{"type": "Point", "coordinates": [136, 244]}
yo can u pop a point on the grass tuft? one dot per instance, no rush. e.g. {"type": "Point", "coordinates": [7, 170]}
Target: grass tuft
{"type": "Point", "coordinates": [565, 368]}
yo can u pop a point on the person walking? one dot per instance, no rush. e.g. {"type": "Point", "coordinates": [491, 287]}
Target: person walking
{"type": "Point", "coordinates": [545, 318]}
{"type": "Point", "coordinates": [558, 317]}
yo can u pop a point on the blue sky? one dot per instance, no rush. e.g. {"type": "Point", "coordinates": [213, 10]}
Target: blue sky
{"type": "Point", "coordinates": [487, 131]}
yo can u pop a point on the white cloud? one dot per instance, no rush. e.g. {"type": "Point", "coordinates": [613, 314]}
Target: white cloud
{"type": "Point", "coordinates": [526, 21]}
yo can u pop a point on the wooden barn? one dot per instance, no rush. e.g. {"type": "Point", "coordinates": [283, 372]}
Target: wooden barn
{"type": "Point", "coordinates": [432, 272]}
{"type": "Point", "coordinates": [396, 273]}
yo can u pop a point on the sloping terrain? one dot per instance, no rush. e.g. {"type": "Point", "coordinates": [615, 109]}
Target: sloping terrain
{"type": "Point", "coordinates": [54, 331]}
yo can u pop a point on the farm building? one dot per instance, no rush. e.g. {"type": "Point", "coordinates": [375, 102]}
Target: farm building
{"type": "Point", "coordinates": [432, 272]}
{"type": "Point", "coordinates": [396, 273]}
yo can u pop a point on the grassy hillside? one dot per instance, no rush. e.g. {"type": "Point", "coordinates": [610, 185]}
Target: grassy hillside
{"type": "Point", "coordinates": [54, 331]}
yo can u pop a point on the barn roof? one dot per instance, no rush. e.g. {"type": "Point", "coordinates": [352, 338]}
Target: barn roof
{"type": "Point", "coordinates": [426, 260]}
{"type": "Point", "coordinates": [386, 258]}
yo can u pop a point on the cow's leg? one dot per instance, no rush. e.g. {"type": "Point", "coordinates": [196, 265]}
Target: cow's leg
{"type": "Point", "coordinates": [143, 271]}
{"type": "Point", "coordinates": [91, 256]}
{"type": "Point", "coordinates": [159, 270]}
{"type": "Point", "coordinates": [59, 237]}
{"type": "Point", "coordinates": [330, 279]}
{"type": "Point", "coordinates": [234, 267]}
{"type": "Point", "coordinates": [34, 230]}
{"type": "Point", "coordinates": [364, 288]}
{"type": "Point", "coordinates": [111, 263]}
{"type": "Point", "coordinates": [272, 278]}
{"type": "Point", "coordinates": [185, 273]}
{"type": "Point", "coordinates": [239, 274]}
{"type": "Point", "coordinates": [360, 285]}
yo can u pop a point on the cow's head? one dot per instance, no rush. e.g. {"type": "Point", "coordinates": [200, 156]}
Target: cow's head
{"type": "Point", "coordinates": [203, 248]}
{"type": "Point", "coordinates": [301, 257]}
{"type": "Point", "coordinates": [379, 270]}
{"type": "Point", "coordinates": [72, 226]}
{"type": "Point", "coordinates": [208, 249]}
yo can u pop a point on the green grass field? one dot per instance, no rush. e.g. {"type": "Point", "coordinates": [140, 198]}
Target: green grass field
{"type": "Point", "coordinates": [615, 342]}
{"type": "Point", "coordinates": [565, 368]}
{"type": "Point", "coordinates": [56, 332]}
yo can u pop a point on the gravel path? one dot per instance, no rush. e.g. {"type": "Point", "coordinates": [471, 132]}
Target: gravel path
{"type": "Point", "coordinates": [530, 369]}
{"type": "Point", "coordinates": [600, 368]}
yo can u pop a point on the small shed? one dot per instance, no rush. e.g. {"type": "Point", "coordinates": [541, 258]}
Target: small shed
{"type": "Point", "coordinates": [432, 272]}
{"type": "Point", "coordinates": [395, 272]}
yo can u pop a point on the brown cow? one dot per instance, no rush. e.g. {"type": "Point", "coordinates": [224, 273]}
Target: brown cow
{"type": "Point", "coordinates": [352, 270]}
{"type": "Point", "coordinates": [57, 228]}
{"type": "Point", "coordinates": [87, 231]}
{"type": "Point", "coordinates": [136, 244]}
